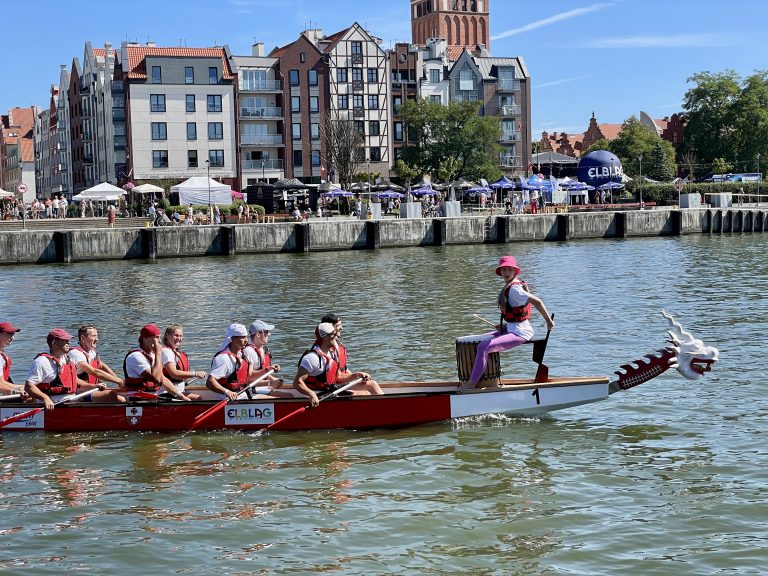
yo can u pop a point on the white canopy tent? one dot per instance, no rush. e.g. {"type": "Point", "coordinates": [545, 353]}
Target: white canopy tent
{"type": "Point", "coordinates": [196, 190]}
{"type": "Point", "coordinates": [104, 192]}
{"type": "Point", "coordinates": [148, 189]}
{"type": "Point", "coordinates": [6, 194]}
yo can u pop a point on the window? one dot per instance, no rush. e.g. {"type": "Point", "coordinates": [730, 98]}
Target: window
{"type": "Point", "coordinates": [373, 102]}
{"type": "Point", "coordinates": [343, 101]}
{"type": "Point", "coordinates": [434, 76]}
{"type": "Point", "coordinates": [191, 158]}
{"type": "Point", "coordinates": [190, 102]}
{"type": "Point", "coordinates": [315, 158]}
{"type": "Point", "coordinates": [214, 103]}
{"type": "Point", "coordinates": [314, 131]}
{"type": "Point", "coordinates": [397, 101]}
{"type": "Point", "coordinates": [314, 104]}
{"type": "Point", "coordinates": [157, 102]}
{"type": "Point", "coordinates": [375, 154]}
{"type": "Point", "coordinates": [189, 75]}
{"type": "Point", "coordinates": [360, 127]}
{"type": "Point", "coordinates": [373, 127]}
{"type": "Point", "coordinates": [295, 103]}
{"type": "Point", "coordinates": [294, 77]}
{"type": "Point", "coordinates": [312, 77]}
{"type": "Point", "coordinates": [373, 75]}
{"type": "Point", "coordinates": [296, 131]}
{"type": "Point", "coordinates": [302, 57]}
{"type": "Point", "coordinates": [357, 47]}
{"type": "Point", "coordinates": [191, 131]}
{"type": "Point", "coordinates": [216, 157]}
{"type": "Point", "coordinates": [213, 75]}
{"type": "Point", "coordinates": [297, 159]}
{"type": "Point", "coordinates": [215, 130]}
{"type": "Point", "coordinates": [357, 100]}
{"type": "Point", "coordinates": [436, 98]}
{"type": "Point", "coordinates": [157, 75]}
{"type": "Point", "coordinates": [159, 131]}
{"type": "Point", "coordinates": [360, 154]}
{"type": "Point", "coordinates": [341, 75]}
{"type": "Point", "coordinates": [159, 158]}
{"type": "Point", "coordinates": [466, 80]}
{"type": "Point", "coordinates": [357, 74]}
{"type": "Point", "coordinates": [398, 131]}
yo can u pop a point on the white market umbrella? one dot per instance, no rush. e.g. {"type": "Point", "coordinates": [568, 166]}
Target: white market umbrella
{"type": "Point", "coordinates": [148, 189]}
{"type": "Point", "coordinates": [6, 194]}
{"type": "Point", "coordinates": [103, 188]}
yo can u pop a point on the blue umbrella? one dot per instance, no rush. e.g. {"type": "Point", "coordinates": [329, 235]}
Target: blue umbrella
{"type": "Point", "coordinates": [337, 193]}
{"type": "Point", "coordinates": [424, 191]}
{"type": "Point", "coordinates": [389, 194]}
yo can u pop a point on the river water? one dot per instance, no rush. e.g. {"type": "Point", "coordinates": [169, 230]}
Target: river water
{"type": "Point", "coordinates": [666, 478]}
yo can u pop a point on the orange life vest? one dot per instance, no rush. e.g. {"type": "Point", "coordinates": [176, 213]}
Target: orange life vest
{"type": "Point", "coordinates": [140, 383]}
{"type": "Point", "coordinates": [182, 364]}
{"type": "Point", "coordinates": [95, 363]}
{"type": "Point", "coordinates": [513, 313]}
{"type": "Point", "coordinates": [65, 381]}
{"type": "Point", "coordinates": [239, 377]}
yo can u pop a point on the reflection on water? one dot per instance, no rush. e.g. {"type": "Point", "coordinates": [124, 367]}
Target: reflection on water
{"type": "Point", "coordinates": [667, 477]}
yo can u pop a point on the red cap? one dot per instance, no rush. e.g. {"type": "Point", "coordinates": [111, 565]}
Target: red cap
{"type": "Point", "coordinates": [8, 327]}
{"type": "Point", "coordinates": [149, 330]}
{"type": "Point", "coordinates": [59, 334]}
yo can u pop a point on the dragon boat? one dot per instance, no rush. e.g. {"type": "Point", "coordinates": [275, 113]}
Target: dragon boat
{"type": "Point", "coordinates": [402, 404]}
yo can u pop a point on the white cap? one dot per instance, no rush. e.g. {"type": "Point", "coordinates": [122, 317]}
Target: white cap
{"type": "Point", "coordinates": [325, 328]}
{"type": "Point", "coordinates": [260, 326]}
{"type": "Point", "coordinates": [232, 331]}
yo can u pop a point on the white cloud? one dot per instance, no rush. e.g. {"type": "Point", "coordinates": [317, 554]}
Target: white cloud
{"type": "Point", "coordinates": [552, 20]}
{"type": "Point", "coordinates": [564, 81]}
{"type": "Point", "coordinates": [671, 41]}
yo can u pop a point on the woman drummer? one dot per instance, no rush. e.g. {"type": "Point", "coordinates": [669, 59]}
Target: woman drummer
{"type": "Point", "coordinates": [514, 327]}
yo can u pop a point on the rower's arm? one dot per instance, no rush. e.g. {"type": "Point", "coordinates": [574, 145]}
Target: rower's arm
{"type": "Point", "coordinates": [538, 303]}
{"type": "Point", "coordinates": [9, 388]}
{"type": "Point", "coordinates": [35, 392]}
{"type": "Point", "coordinates": [300, 385]}
{"type": "Point", "coordinates": [99, 373]}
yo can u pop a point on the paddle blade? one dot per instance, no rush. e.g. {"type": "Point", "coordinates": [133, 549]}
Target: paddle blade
{"type": "Point", "coordinates": [207, 414]}
{"type": "Point", "coordinates": [299, 411]}
{"type": "Point", "coordinates": [20, 416]}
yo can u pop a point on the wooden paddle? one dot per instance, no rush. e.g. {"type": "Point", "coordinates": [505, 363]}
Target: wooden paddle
{"type": "Point", "coordinates": [484, 320]}
{"type": "Point", "coordinates": [34, 411]}
{"type": "Point", "coordinates": [303, 408]}
{"type": "Point", "coordinates": [216, 407]}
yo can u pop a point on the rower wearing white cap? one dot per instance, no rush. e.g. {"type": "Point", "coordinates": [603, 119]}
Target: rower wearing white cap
{"type": "Point", "coordinates": [230, 370]}
{"type": "Point", "coordinates": [257, 353]}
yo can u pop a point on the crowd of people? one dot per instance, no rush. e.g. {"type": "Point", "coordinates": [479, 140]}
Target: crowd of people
{"type": "Point", "coordinates": [158, 369]}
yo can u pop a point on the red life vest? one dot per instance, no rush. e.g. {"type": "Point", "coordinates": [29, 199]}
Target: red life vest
{"type": "Point", "coordinates": [182, 364]}
{"type": "Point", "coordinates": [340, 356]}
{"type": "Point", "coordinates": [265, 356]}
{"type": "Point", "coordinates": [65, 381]}
{"type": "Point", "coordinates": [239, 377]}
{"type": "Point", "coordinates": [95, 363]}
{"type": "Point", "coordinates": [7, 367]}
{"type": "Point", "coordinates": [326, 380]}
{"type": "Point", "coordinates": [513, 313]}
{"type": "Point", "coordinates": [139, 383]}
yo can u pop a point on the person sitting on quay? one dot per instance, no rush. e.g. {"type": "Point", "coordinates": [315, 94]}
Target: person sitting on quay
{"type": "Point", "coordinates": [53, 375]}
{"type": "Point", "coordinates": [7, 387]}
{"type": "Point", "coordinates": [230, 370]}
{"type": "Point", "coordinates": [260, 358]}
{"type": "Point", "coordinates": [319, 371]}
{"type": "Point", "coordinates": [90, 367]}
{"type": "Point", "coordinates": [176, 362]}
{"type": "Point", "coordinates": [143, 367]}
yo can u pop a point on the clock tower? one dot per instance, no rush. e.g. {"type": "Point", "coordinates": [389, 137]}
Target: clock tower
{"type": "Point", "coordinates": [459, 22]}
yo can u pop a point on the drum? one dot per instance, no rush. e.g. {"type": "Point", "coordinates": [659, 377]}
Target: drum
{"type": "Point", "coordinates": [466, 350]}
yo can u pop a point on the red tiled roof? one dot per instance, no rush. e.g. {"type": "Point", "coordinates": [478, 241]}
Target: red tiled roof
{"type": "Point", "coordinates": [610, 131]}
{"type": "Point", "coordinates": [455, 52]}
{"type": "Point", "coordinates": [662, 124]}
{"type": "Point", "coordinates": [27, 150]}
{"type": "Point", "coordinates": [137, 67]}
{"type": "Point", "coordinates": [334, 39]}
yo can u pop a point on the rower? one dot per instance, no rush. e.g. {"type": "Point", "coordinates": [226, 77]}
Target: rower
{"type": "Point", "coordinates": [230, 370]}
{"type": "Point", "coordinates": [319, 370]}
{"type": "Point", "coordinates": [260, 357]}
{"type": "Point", "coordinates": [53, 375]}
{"type": "Point", "coordinates": [90, 366]}
{"type": "Point", "coordinates": [143, 368]}
{"type": "Point", "coordinates": [176, 362]}
{"type": "Point", "coordinates": [7, 387]}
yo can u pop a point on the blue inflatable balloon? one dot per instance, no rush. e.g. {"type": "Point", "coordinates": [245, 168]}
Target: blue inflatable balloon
{"type": "Point", "coordinates": [600, 167]}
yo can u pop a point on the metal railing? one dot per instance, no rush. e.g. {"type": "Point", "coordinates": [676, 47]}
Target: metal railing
{"type": "Point", "coordinates": [510, 136]}
{"type": "Point", "coordinates": [257, 165]}
{"type": "Point", "coordinates": [261, 86]}
{"type": "Point", "coordinates": [509, 110]}
{"type": "Point", "coordinates": [261, 112]}
{"type": "Point", "coordinates": [511, 161]}
{"type": "Point", "coordinates": [261, 139]}
{"type": "Point", "coordinates": [508, 85]}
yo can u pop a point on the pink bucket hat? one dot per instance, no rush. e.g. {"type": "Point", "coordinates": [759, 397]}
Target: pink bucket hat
{"type": "Point", "coordinates": [507, 261]}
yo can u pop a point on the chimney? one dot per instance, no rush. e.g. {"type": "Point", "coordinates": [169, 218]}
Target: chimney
{"type": "Point", "coordinates": [258, 49]}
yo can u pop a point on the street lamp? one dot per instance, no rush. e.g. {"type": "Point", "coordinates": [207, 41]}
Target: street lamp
{"type": "Point", "coordinates": [210, 208]}
{"type": "Point", "coordinates": [759, 177]}
{"type": "Point", "coordinates": [640, 159]}
{"type": "Point", "coordinates": [262, 171]}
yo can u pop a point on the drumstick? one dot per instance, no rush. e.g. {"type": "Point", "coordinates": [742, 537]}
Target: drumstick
{"type": "Point", "coordinates": [484, 320]}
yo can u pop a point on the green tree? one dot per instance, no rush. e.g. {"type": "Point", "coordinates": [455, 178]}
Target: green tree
{"type": "Point", "coordinates": [342, 143]}
{"type": "Point", "coordinates": [601, 144]}
{"type": "Point", "coordinates": [750, 120]}
{"type": "Point", "coordinates": [634, 141]}
{"type": "Point", "coordinates": [405, 171]}
{"type": "Point", "coordinates": [721, 166]}
{"type": "Point", "coordinates": [659, 166]}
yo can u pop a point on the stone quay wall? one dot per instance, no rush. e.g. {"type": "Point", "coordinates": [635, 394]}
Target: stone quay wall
{"type": "Point", "coordinates": [52, 246]}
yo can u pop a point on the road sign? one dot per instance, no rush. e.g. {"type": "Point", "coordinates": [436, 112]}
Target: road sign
{"type": "Point", "coordinates": [679, 185]}
{"type": "Point", "coordinates": [21, 188]}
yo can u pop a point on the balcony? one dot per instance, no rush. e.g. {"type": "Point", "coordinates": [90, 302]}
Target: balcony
{"type": "Point", "coordinates": [262, 86]}
{"type": "Point", "coordinates": [256, 165]}
{"type": "Point", "coordinates": [261, 139]}
{"type": "Point", "coordinates": [357, 86]}
{"type": "Point", "coordinates": [358, 112]}
{"type": "Point", "coordinates": [120, 142]}
{"type": "Point", "coordinates": [509, 110]}
{"type": "Point", "coordinates": [264, 112]}
{"type": "Point", "coordinates": [118, 114]}
{"type": "Point", "coordinates": [510, 136]}
{"type": "Point", "coordinates": [508, 85]}
{"type": "Point", "coordinates": [117, 87]}
{"type": "Point", "coordinates": [511, 161]}
{"type": "Point", "coordinates": [87, 159]}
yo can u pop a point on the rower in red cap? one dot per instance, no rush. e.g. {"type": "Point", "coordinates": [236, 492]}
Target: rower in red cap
{"type": "Point", "coordinates": [7, 387]}
{"type": "Point", "coordinates": [143, 367]}
{"type": "Point", "coordinates": [53, 375]}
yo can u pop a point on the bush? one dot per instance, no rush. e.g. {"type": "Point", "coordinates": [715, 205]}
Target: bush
{"type": "Point", "coordinates": [666, 195]}
{"type": "Point", "coordinates": [231, 209]}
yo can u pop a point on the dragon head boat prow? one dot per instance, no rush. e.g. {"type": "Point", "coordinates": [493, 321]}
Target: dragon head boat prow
{"type": "Point", "coordinates": [687, 354]}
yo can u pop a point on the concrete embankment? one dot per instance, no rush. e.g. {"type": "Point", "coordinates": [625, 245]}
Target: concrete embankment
{"type": "Point", "coordinates": [47, 246]}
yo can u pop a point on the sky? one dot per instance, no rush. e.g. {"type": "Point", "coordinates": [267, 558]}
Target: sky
{"type": "Point", "coordinates": [611, 57]}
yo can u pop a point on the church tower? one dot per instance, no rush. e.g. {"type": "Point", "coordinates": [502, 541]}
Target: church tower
{"type": "Point", "coordinates": [460, 22]}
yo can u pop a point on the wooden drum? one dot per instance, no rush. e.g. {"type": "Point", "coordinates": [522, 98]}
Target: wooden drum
{"type": "Point", "coordinates": [466, 351]}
